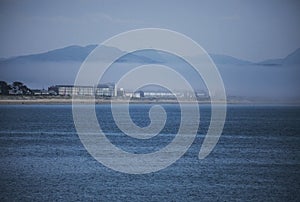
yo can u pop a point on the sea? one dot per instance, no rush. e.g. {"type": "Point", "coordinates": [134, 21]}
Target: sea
{"type": "Point", "coordinates": [257, 157]}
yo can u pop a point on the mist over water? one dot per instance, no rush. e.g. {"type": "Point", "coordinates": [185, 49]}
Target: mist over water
{"type": "Point", "coordinates": [240, 78]}
{"type": "Point", "coordinates": [52, 150]}
{"type": "Point", "coordinates": [260, 81]}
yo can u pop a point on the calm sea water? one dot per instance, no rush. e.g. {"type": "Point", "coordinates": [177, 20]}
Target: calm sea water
{"type": "Point", "coordinates": [256, 159]}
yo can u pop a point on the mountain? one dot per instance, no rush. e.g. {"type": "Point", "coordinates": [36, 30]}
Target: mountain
{"type": "Point", "coordinates": [79, 53]}
{"type": "Point", "coordinates": [70, 53]}
{"type": "Point", "coordinates": [291, 59]}
{"type": "Point", "coordinates": [227, 60]}
{"type": "Point", "coordinates": [144, 57]}
{"type": "Point", "coordinates": [240, 77]}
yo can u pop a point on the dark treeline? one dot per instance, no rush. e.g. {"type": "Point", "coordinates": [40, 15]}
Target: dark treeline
{"type": "Point", "coordinates": [16, 88]}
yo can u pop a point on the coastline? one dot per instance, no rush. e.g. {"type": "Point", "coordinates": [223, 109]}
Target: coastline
{"type": "Point", "coordinates": [54, 100]}
{"type": "Point", "coordinates": [69, 100]}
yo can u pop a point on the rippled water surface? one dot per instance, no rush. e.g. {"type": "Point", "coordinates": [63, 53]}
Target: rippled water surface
{"type": "Point", "coordinates": [257, 157]}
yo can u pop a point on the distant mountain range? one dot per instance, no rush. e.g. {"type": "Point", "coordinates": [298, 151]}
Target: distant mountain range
{"type": "Point", "coordinates": [79, 53]}
{"type": "Point", "coordinates": [70, 53]}
{"type": "Point", "coordinates": [274, 77]}
{"type": "Point", "coordinates": [291, 59]}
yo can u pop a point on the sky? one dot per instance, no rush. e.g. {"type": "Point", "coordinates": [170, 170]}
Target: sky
{"type": "Point", "coordinates": [252, 30]}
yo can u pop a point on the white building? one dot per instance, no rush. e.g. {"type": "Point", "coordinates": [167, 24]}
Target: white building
{"type": "Point", "coordinates": [102, 90]}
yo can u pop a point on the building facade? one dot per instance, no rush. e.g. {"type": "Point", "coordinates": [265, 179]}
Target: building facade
{"type": "Point", "coordinates": [102, 90]}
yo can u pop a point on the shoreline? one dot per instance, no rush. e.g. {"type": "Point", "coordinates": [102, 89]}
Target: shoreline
{"type": "Point", "coordinates": [89, 101]}
{"type": "Point", "coordinates": [7, 100]}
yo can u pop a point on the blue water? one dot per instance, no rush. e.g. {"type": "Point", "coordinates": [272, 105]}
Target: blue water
{"type": "Point", "coordinates": [256, 159]}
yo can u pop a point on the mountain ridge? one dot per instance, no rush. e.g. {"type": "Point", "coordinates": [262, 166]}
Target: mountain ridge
{"type": "Point", "coordinates": [79, 53]}
{"type": "Point", "coordinates": [240, 77]}
{"type": "Point", "coordinates": [291, 59]}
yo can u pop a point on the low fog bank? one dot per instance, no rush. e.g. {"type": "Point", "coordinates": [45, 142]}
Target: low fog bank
{"type": "Point", "coordinates": [281, 81]}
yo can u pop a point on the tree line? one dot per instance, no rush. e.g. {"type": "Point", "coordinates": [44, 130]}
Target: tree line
{"type": "Point", "coordinates": [16, 88]}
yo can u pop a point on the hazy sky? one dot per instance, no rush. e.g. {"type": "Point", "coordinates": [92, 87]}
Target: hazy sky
{"type": "Point", "coordinates": [254, 30]}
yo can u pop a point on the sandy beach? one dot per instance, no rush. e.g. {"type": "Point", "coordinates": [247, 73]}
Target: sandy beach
{"type": "Point", "coordinates": [83, 100]}
{"type": "Point", "coordinates": [8, 100]}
